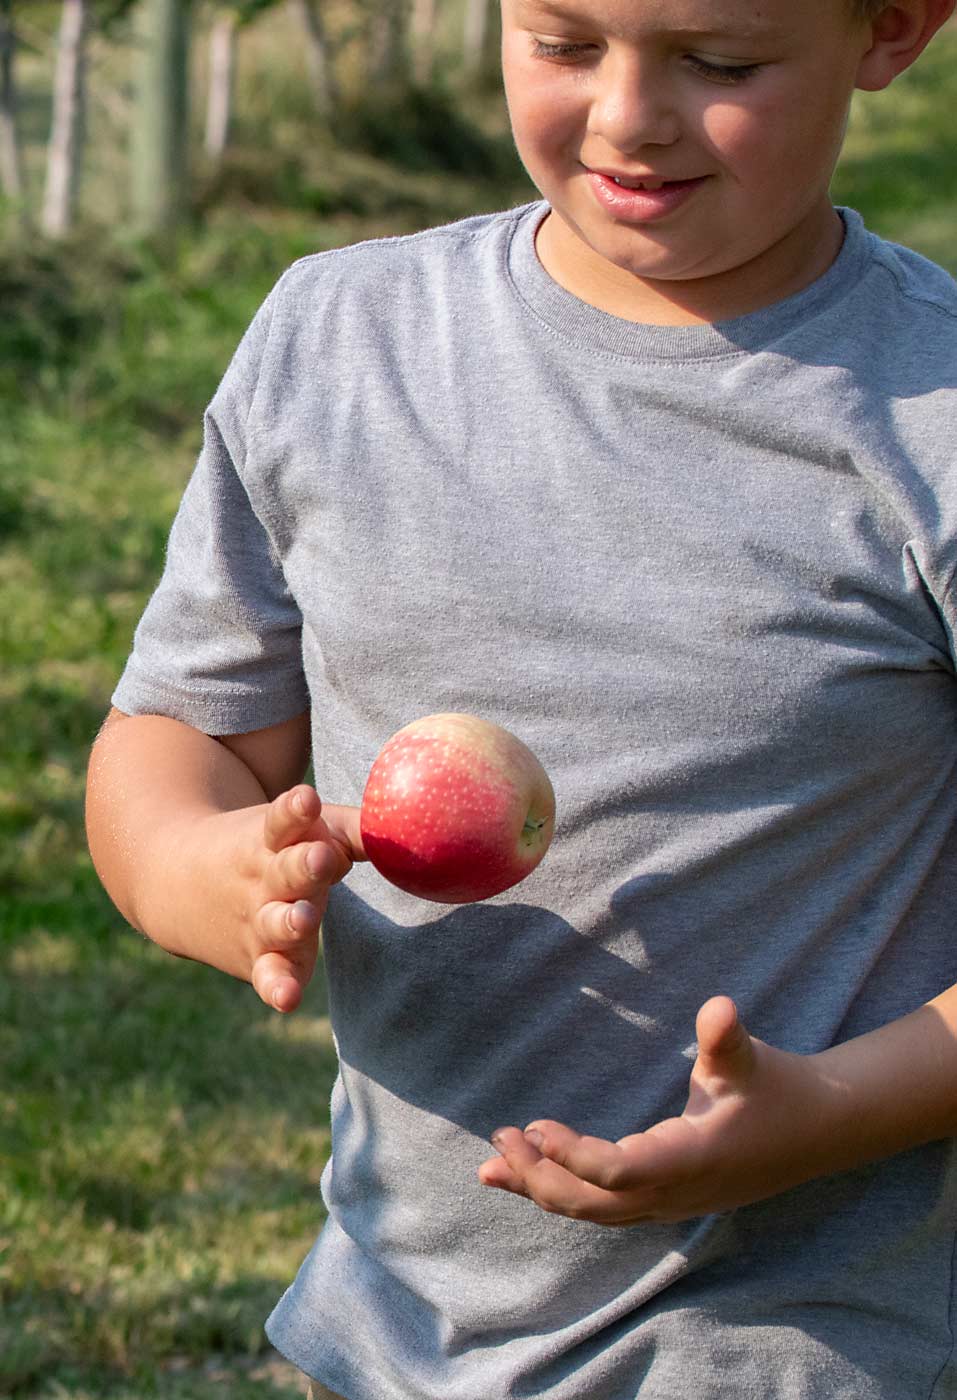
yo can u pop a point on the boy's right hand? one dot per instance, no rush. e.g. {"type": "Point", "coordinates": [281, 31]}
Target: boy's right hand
{"type": "Point", "coordinates": [214, 849]}
{"type": "Point", "coordinates": [292, 851]}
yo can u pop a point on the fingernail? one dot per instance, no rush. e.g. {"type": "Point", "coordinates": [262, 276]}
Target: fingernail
{"type": "Point", "coordinates": [315, 859]}
{"type": "Point", "coordinates": [299, 806]}
{"type": "Point", "coordinates": [299, 916]}
{"type": "Point", "coordinates": [533, 1136]}
{"type": "Point", "coordinates": [496, 1138]}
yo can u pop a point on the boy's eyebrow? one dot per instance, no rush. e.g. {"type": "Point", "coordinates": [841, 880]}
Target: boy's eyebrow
{"type": "Point", "coordinates": [749, 29]}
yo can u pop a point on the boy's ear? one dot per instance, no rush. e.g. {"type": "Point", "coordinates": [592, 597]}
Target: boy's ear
{"type": "Point", "coordinates": [899, 33]}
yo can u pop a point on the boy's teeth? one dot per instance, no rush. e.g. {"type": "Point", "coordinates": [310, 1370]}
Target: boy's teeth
{"type": "Point", "coordinates": [638, 184]}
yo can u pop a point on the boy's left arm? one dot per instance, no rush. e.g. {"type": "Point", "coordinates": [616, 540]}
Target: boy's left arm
{"type": "Point", "coordinates": [757, 1122]}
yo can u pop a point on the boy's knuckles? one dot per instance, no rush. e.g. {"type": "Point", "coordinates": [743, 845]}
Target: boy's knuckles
{"type": "Point", "coordinates": [290, 877]}
{"type": "Point", "coordinates": [279, 929]}
{"type": "Point", "coordinates": [613, 1176]}
{"type": "Point", "coordinates": [292, 932]}
{"type": "Point", "coordinates": [569, 1206]}
{"type": "Point", "coordinates": [277, 823]}
{"type": "Point", "coordinates": [548, 1206]}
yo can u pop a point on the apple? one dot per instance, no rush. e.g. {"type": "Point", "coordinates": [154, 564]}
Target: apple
{"type": "Point", "coordinates": [456, 809]}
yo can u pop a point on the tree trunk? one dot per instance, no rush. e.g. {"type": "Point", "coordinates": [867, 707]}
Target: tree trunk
{"type": "Point", "coordinates": [322, 78]}
{"type": "Point", "coordinates": [219, 95]}
{"type": "Point", "coordinates": [11, 168]}
{"type": "Point", "coordinates": [66, 135]}
{"type": "Point", "coordinates": [481, 35]}
{"type": "Point", "coordinates": [475, 36]}
{"type": "Point", "coordinates": [159, 137]}
{"type": "Point", "coordinates": [422, 34]}
{"type": "Point", "coordinates": [387, 50]}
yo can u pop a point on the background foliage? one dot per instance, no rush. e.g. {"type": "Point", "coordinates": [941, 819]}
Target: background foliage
{"type": "Point", "coordinates": [161, 1133]}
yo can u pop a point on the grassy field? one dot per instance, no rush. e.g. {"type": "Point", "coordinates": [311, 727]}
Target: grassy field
{"type": "Point", "coordinates": [161, 1133]}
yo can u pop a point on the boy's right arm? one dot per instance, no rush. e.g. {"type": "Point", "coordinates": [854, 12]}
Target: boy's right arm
{"type": "Point", "coordinates": [215, 849]}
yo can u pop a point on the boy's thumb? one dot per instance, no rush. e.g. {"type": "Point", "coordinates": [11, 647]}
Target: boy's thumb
{"type": "Point", "coordinates": [723, 1043]}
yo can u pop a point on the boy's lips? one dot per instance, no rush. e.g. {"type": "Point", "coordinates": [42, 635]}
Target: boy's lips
{"type": "Point", "coordinates": [640, 198]}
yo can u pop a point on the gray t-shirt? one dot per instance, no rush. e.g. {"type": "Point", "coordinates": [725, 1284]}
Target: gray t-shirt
{"type": "Point", "coordinates": [707, 574]}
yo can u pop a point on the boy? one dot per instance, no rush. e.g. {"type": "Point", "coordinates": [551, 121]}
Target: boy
{"type": "Point", "coordinates": [656, 473]}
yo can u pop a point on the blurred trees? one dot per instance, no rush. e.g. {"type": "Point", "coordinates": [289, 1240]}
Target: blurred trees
{"type": "Point", "coordinates": [11, 164]}
{"type": "Point", "coordinates": [352, 52]}
{"type": "Point", "coordinates": [477, 51]}
{"type": "Point", "coordinates": [69, 119]}
{"type": "Point", "coordinates": [159, 148]}
{"type": "Point", "coordinates": [319, 59]}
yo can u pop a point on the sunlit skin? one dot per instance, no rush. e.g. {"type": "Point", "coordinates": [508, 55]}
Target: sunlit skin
{"type": "Point", "coordinates": [748, 100]}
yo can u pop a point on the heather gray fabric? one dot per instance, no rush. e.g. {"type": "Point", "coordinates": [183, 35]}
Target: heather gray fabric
{"type": "Point", "coordinates": [707, 574]}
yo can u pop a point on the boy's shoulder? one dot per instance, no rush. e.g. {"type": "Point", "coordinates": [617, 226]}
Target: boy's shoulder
{"type": "Point", "coordinates": [920, 284]}
{"type": "Point", "coordinates": [403, 254]}
{"type": "Point", "coordinates": [893, 323]}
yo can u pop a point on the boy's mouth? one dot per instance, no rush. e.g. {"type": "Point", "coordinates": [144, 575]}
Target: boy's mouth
{"type": "Point", "coordinates": [649, 182]}
{"type": "Point", "coordinates": [640, 198]}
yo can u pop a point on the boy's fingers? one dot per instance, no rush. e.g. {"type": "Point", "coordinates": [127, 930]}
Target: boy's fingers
{"type": "Point", "coordinates": [550, 1186]}
{"type": "Point", "coordinates": [301, 872]}
{"type": "Point", "coordinates": [290, 816]}
{"type": "Point", "coordinates": [591, 1159]}
{"type": "Point", "coordinates": [496, 1172]}
{"type": "Point", "coordinates": [507, 1171]}
{"type": "Point", "coordinates": [278, 981]}
{"type": "Point", "coordinates": [286, 927]}
{"type": "Point", "coordinates": [342, 824]}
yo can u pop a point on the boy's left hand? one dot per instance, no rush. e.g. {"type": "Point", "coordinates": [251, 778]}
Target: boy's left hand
{"type": "Point", "coordinates": [757, 1121]}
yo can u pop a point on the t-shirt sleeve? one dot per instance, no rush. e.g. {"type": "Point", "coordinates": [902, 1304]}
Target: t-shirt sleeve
{"type": "Point", "coordinates": [219, 643]}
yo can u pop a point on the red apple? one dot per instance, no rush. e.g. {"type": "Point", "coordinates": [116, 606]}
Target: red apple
{"type": "Point", "coordinates": [456, 809]}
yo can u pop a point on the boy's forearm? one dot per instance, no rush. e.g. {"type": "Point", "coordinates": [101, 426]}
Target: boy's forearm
{"type": "Point", "coordinates": [898, 1083]}
{"type": "Point", "coordinates": [152, 784]}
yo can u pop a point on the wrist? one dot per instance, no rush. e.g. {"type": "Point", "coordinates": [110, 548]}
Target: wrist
{"type": "Point", "coordinates": [893, 1089]}
{"type": "Point", "coordinates": [188, 895]}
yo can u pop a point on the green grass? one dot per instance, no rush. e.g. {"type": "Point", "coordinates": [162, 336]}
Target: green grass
{"type": "Point", "coordinates": [900, 161]}
{"type": "Point", "coordinates": [161, 1133]}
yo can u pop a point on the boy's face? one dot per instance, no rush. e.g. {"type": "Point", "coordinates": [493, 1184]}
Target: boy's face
{"type": "Point", "coordinates": [732, 112]}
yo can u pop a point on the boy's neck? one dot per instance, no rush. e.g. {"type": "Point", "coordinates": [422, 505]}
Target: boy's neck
{"type": "Point", "coordinates": [779, 272]}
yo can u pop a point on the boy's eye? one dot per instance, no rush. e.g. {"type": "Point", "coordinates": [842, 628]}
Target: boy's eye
{"type": "Point", "coordinates": [721, 72]}
{"type": "Point", "coordinates": [541, 48]}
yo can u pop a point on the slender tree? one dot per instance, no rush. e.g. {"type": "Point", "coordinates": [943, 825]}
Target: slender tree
{"type": "Point", "coordinates": [479, 39]}
{"type": "Point", "coordinates": [387, 60]}
{"type": "Point", "coordinates": [322, 76]}
{"type": "Point", "coordinates": [159, 148]}
{"type": "Point", "coordinates": [11, 166]}
{"type": "Point", "coordinates": [69, 119]}
{"type": "Point", "coordinates": [230, 18]}
{"type": "Point", "coordinates": [422, 40]}
{"type": "Point", "coordinates": [221, 82]}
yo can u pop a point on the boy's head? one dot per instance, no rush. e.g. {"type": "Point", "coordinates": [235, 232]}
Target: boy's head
{"type": "Point", "coordinates": [686, 147]}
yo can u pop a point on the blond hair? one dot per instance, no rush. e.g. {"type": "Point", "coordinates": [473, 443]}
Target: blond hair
{"type": "Point", "coordinates": [867, 9]}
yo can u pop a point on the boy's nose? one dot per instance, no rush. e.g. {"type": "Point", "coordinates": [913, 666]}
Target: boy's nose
{"type": "Point", "coordinates": [633, 106]}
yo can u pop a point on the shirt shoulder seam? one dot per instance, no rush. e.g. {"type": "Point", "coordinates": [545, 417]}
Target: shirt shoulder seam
{"type": "Point", "coordinates": [932, 303]}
